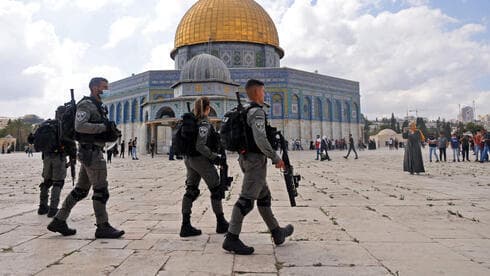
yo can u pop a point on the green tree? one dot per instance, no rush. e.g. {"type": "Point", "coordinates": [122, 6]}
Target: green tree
{"type": "Point", "coordinates": [393, 122]}
{"type": "Point", "coordinates": [473, 127]}
{"type": "Point", "coordinates": [421, 126]}
{"type": "Point", "coordinates": [447, 129]}
{"type": "Point", "coordinates": [19, 130]}
{"type": "Point", "coordinates": [366, 128]}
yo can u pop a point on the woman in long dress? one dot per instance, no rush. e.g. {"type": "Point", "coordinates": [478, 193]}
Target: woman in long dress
{"type": "Point", "coordinates": [413, 162]}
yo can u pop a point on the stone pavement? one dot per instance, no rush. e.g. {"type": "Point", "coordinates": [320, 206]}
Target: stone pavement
{"type": "Point", "coordinates": [355, 217]}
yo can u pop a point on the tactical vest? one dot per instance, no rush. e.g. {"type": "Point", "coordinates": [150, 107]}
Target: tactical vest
{"type": "Point", "coordinates": [269, 130]}
{"type": "Point", "coordinates": [86, 138]}
{"type": "Point", "coordinates": [212, 142]}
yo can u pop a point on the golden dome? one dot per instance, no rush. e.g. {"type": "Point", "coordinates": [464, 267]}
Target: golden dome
{"type": "Point", "coordinates": [226, 21]}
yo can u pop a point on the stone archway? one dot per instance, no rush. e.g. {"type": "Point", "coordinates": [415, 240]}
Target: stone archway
{"type": "Point", "coordinates": [165, 112]}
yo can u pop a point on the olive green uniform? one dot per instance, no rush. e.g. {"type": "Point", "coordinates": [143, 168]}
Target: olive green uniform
{"type": "Point", "coordinates": [254, 168]}
{"type": "Point", "coordinates": [201, 166]}
{"type": "Point", "coordinates": [89, 121]}
{"type": "Point", "coordinates": [54, 174]}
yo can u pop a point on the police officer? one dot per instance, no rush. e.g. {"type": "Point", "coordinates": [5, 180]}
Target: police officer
{"type": "Point", "coordinates": [254, 166]}
{"type": "Point", "coordinates": [200, 164]}
{"type": "Point", "coordinates": [93, 128]}
{"type": "Point", "coordinates": [54, 172]}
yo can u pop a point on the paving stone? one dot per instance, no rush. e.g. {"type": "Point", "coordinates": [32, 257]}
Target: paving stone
{"type": "Point", "coordinates": [196, 262]}
{"type": "Point", "coordinates": [340, 202]}
{"type": "Point", "coordinates": [142, 263]}
{"type": "Point", "coordinates": [325, 253]}
{"type": "Point", "coordinates": [335, 270]}
{"type": "Point", "coordinates": [254, 264]}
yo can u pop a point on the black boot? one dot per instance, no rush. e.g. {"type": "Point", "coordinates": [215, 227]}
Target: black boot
{"type": "Point", "coordinates": [279, 234]}
{"type": "Point", "coordinates": [233, 244]}
{"type": "Point", "coordinates": [221, 224]}
{"type": "Point", "coordinates": [52, 212]}
{"type": "Point", "coordinates": [106, 231]}
{"type": "Point", "coordinates": [187, 230]}
{"type": "Point", "coordinates": [43, 209]}
{"type": "Point", "coordinates": [61, 227]}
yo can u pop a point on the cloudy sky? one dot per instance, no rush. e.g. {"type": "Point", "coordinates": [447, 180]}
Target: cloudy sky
{"type": "Point", "coordinates": [429, 55]}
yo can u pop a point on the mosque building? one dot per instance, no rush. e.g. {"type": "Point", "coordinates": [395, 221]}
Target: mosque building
{"type": "Point", "coordinates": [219, 45]}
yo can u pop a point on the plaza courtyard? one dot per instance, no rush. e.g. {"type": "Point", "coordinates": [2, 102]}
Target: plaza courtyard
{"type": "Point", "coordinates": [354, 217]}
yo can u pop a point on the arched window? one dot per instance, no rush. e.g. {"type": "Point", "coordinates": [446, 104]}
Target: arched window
{"type": "Point", "coordinates": [328, 110]}
{"type": "Point", "coordinates": [142, 100]}
{"type": "Point", "coordinates": [318, 109]}
{"type": "Point", "coordinates": [212, 113]}
{"type": "Point", "coordinates": [337, 114]}
{"type": "Point", "coordinates": [111, 112]}
{"type": "Point", "coordinates": [118, 113]}
{"type": "Point", "coordinates": [277, 106]}
{"type": "Point", "coordinates": [165, 112]}
{"type": "Point", "coordinates": [307, 108]}
{"type": "Point", "coordinates": [134, 109]}
{"type": "Point", "coordinates": [355, 113]}
{"type": "Point", "coordinates": [295, 104]}
{"type": "Point", "coordinates": [347, 112]}
{"type": "Point", "coordinates": [126, 112]}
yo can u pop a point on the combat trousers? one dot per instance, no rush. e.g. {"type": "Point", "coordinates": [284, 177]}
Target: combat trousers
{"type": "Point", "coordinates": [93, 173]}
{"type": "Point", "coordinates": [254, 187]}
{"type": "Point", "coordinates": [54, 174]}
{"type": "Point", "coordinates": [351, 148]}
{"type": "Point", "coordinates": [200, 167]}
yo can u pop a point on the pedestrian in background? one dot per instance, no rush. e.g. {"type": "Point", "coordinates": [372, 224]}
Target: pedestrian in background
{"type": "Point", "coordinates": [133, 148]}
{"type": "Point", "coordinates": [443, 143]}
{"type": "Point", "coordinates": [130, 148]}
{"type": "Point", "coordinates": [432, 141]}
{"type": "Point", "coordinates": [412, 160]}
{"type": "Point", "coordinates": [465, 147]}
{"type": "Point", "coordinates": [123, 146]}
{"type": "Point", "coordinates": [318, 143]}
{"type": "Point", "coordinates": [455, 147]}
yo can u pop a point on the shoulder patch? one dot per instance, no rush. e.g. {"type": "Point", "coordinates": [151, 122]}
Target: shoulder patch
{"type": "Point", "coordinates": [260, 125]}
{"type": "Point", "coordinates": [81, 115]}
{"type": "Point", "coordinates": [203, 131]}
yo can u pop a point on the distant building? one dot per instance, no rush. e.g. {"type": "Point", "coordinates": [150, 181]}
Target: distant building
{"type": "Point", "coordinates": [3, 122]}
{"type": "Point", "coordinates": [485, 120]}
{"type": "Point", "coordinates": [467, 114]}
{"type": "Point", "coordinates": [241, 34]}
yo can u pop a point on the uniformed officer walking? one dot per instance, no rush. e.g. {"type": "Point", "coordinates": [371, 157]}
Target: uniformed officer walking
{"type": "Point", "coordinates": [200, 164]}
{"type": "Point", "coordinates": [92, 127]}
{"type": "Point", "coordinates": [254, 166]}
{"type": "Point", "coordinates": [54, 172]}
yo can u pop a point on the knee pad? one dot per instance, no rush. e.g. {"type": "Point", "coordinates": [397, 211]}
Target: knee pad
{"type": "Point", "coordinates": [79, 194]}
{"type": "Point", "coordinates": [192, 194]}
{"type": "Point", "coordinates": [245, 205]}
{"type": "Point", "coordinates": [46, 184]}
{"type": "Point", "coordinates": [265, 201]}
{"type": "Point", "coordinates": [217, 193]}
{"type": "Point", "coordinates": [59, 183]}
{"type": "Point", "coordinates": [101, 195]}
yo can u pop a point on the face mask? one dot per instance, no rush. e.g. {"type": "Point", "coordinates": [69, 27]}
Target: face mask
{"type": "Point", "coordinates": [105, 91]}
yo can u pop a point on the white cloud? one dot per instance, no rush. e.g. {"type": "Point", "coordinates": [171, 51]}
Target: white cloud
{"type": "Point", "coordinates": [415, 58]}
{"type": "Point", "coordinates": [39, 67]}
{"type": "Point", "coordinates": [122, 29]}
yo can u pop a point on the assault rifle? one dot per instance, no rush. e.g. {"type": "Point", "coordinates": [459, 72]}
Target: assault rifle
{"type": "Point", "coordinates": [73, 159]}
{"type": "Point", "coordinates": [292, 180]}
{"type": "Point", "coordinates": [224, 179]}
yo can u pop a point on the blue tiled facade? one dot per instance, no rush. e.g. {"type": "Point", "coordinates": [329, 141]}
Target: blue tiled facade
{"type": "Point", "coordinates": [292, 94]}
